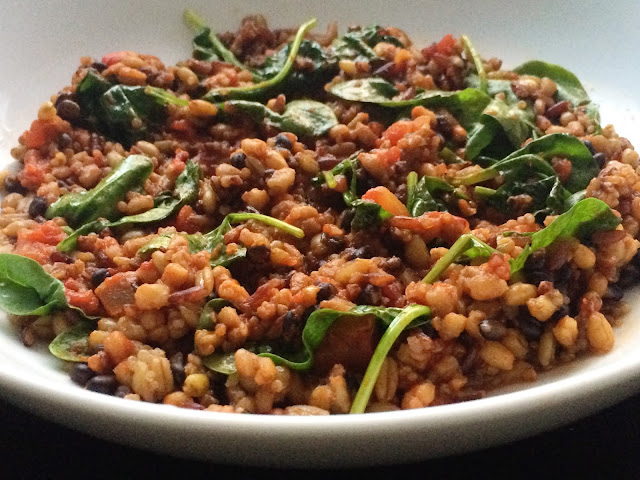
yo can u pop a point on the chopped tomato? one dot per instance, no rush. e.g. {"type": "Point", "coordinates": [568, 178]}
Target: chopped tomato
{"type": "Point", "coordinates": [398, 130]}
{"type": "Point", "coordinates": [35, 168]}
{"type": "Point", "coordinates": [49, 233]}
{"type": "Point", "coordinates": [387, 200]}
{"type": "Point", "coordinates": [389, 156]}
{"type": "Point", "coordinates": [86, 301]}
{"type": "Point", "coordinates": [115, 57]}
{"type": "Point", "coordinates": [41, 133]}
{"type": "Point", "coordinates": [446, 45]}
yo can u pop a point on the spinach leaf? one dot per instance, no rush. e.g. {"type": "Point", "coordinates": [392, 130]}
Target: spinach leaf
{"type": "Point", "coordinates": [212, 306]}
{"type": "Point", "coordinates": [473, 54]}
{"type": "Point", "coordinates": [160, 242]}
{"type": "Point", "coordinates": [467, 247]}
{"type": "Point", "coordinates": [319, 66]}
{"type": "Point", "coordinates": [224, 362]}
{"type": "Point", "coordinates": [357, 44]}
{"type": "Point", "coordinates": [72, 345]}
{"type": "Point", "coordinates": [26, 289]}
{"type": "Point", "coordinates": [215, 238]}
{"type": "Point", "coordinates": [124, 113]}
{"type": "Point", "coordinates": [84, 207]}
{"type": "Point", "coordinates": [569, 87]}
{"type": "Point", "coordinates": [262, 88]}
{"type": "Point", "coordinates": [206, 44]}
{"type": "Point", "coordinates": [581, 221]}
{"type": "Point", "coordinates": [367, 214]}
{"type": "Point", "coordinates": [535, 157]}
{"type": "Point", "coordinates": [466, 105]}
{"type": "Point", "coordinates": [319, 322]}
{"type": "Point", "coordinates": [403, 320]}
{"type": "Point", "coordinates": [302, 117]}
{"type": "Point", "coordinates": [421, 195]}
{"type": "Point", "coordinates": [186, 192]}
{"type": "Point", "coordinates": [500, 118]}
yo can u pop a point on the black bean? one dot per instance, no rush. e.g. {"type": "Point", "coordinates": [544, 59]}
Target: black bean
{"type": "Point", "coordinates": [327, 162]}
{"type": "Point", "coordinates": [563, 311]}
{"type": "Point", "coordinates": [629, 276]}
{"type": "Point", "coordinates": [536, 261]}
{"type": "Point", "coordinates": [62, 96]}
{"type": "Point", "coordinates": [363, 252]}
{"type": "Point", "coordinates": [64, 141]}
{"type": "Point", "coordinates": [98, 276]}
{"type": "Point", "coordinates": [369, 295]}
{"type": "Point", "coordinates": [538, 276]}
{"type": "Point", "coordinates": [614, 293]}
{"type": "Point", "coordinates": [282, 141]}
{"type": "Point", "coordinates": [469, 361]}
{"type": "Point", "coordinates": [122, 391]}
{"type": "Point", "coordinates": [386, 71]}
{"type": "Point", "coordinates": [99, 66]}
{"type": "Point", "coordinates": [68, 110]}
{"type": "Point", "coordinates": [238, 160]}
{"type": "Point", "coordinates": [106, 384]}
{"type": "Point", "coordinates": [600, 158]}
{"type": "Point", "coordinates": [176, 363]}
{"type": "Point", "coordinates": [13, 185]}
{"type": "Point", "coordinates": [326, 291]}
{"type": "Point", "coordinates": [347, 217]}
{"type": "Point", "coordinates": [364, 181]}
{"type": "Point", "coordinates": [37, 207]}
{"type": "Point", "coordinates": [259, 254]}
{"type": "Point", "coordinates": [291, 326]}
{"type": "Point", "coordinates": [562, 275]}
{"type": "Point", "coordinates": [589, 145]}
{"type": "Point", "coordinates": [334, 244]}
{"type": "Point", "coordinates": [392, 265]}
{"type": "Point", "coordinates": [61, 257]}
{"type": "Point", "coordinates": [81, 374]}
{"type": "Point", "coordinates": [492, 329]}
{"type": "Point", "coordinates": [444, 124]}
{"type": "Point", "coordinates": [529, 326]}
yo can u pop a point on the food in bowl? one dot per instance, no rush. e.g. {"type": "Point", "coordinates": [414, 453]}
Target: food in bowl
{"type": "Point", "coordinates": [299, 223]}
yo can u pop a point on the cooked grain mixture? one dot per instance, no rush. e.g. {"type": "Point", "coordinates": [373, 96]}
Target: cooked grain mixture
{"type": "Point", "coordinates": [298, 223]}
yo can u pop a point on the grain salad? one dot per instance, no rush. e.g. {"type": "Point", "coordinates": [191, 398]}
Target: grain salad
{"type": "Point", "coordinates": [299, 223]}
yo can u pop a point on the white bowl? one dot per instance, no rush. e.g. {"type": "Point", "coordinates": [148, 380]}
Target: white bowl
{"type": "Point", "coordinates": [43, 42]}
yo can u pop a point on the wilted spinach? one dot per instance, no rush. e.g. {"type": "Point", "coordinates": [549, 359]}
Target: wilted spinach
{"type": "Point", "coordinates": [206, 44]}
{"type": "Point", "coordinates": [404, 319]}
{"type": "Point", "coordinates": [319, 66]}
{"type": "Point", "coordinates": [320, 320]}
{"type": "Point", "coordinates": [124, 113]}
{"type": "Point", "coordinates": [101, 201]}
{"type": "Point", "coordinates": [580, 221]}
{"type": "Point", "coordinates": [263, 87]}
{"type": "Point", "coordinates": [367, 214]}
{"type": "Point", "coordinates": [302, 117]}
{"type": "Point", "coordinates": [185, 193]}
{"type": "Point", "coordinates": [466, 248]}
{"type": "Point", "coordinates": [422, 194]}
{"type": "Point", "coordinates": [357, 44]}
{"type": "Point", "coordinates": [72, 345]}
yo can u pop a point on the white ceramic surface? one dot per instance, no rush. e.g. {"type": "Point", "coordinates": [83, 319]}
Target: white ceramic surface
{"type": "Point", "coordinates": [42, 42]}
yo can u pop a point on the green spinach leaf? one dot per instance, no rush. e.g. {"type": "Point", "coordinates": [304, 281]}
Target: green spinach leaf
{"type": "Point", "coordinates": [318, 324]}
{"type": "Point", "coordinates": [26, 289]}
{"type": "Point", "coordinates": [581, 221]}
{"type": "Point", "coordinates": [206, 44]}
{"type": "Point", "coordinates": [467, 247]}
{"type": "Point", "coordinates": [402, 321]}
{"type": "Point", "coordinates": [302, 117]}
{"type": "Point", "coordinates": [100, 202]}
{"type": "Point", "coordinates": [263, 87]}
{"type": "Point", "coordinates": [422, 194]}
{"type": "Point", "coordinates": [72, 345]}
{"type": "Point", "coordinates": [357, 44]}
